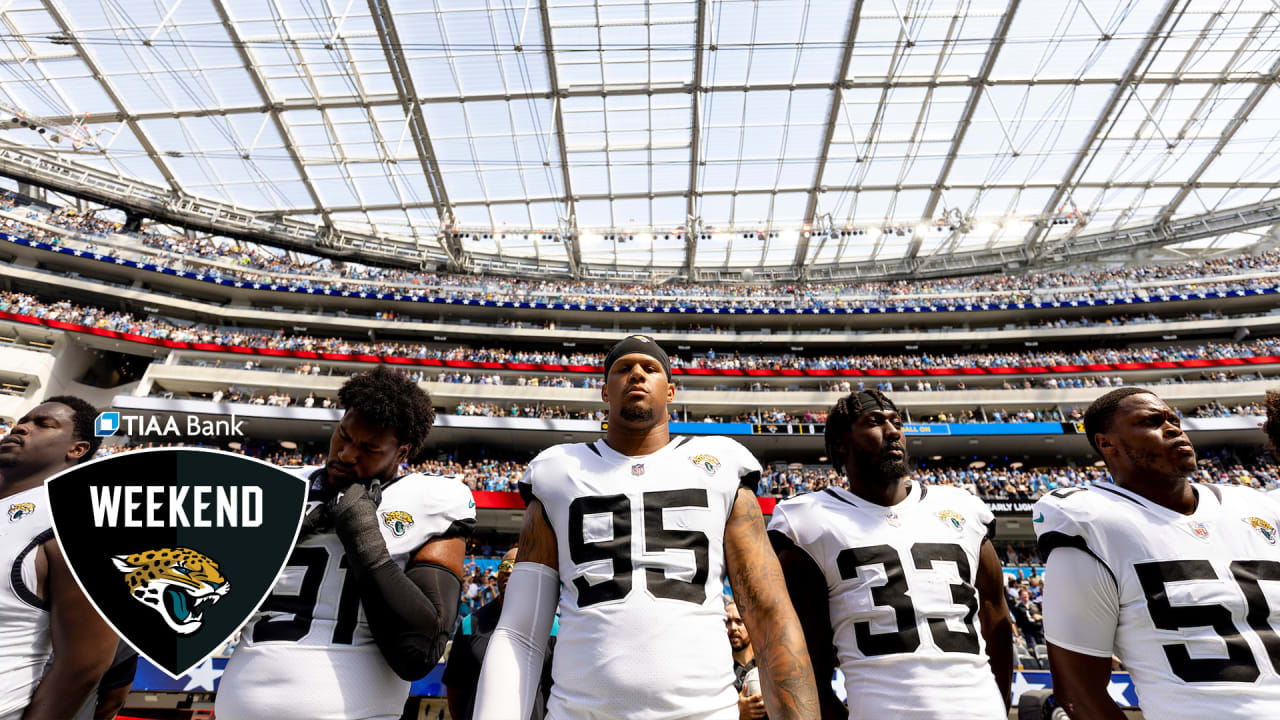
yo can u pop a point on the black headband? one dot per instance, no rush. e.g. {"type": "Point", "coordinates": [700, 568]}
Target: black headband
{"type": "Point", "coordinates": [863, 402]}
{"type": "Point", "coordinates": [642, 344]}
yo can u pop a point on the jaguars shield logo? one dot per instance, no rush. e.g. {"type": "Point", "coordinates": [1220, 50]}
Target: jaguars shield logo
{"type": "Point", "coordinates": [176, 547]}
{"type": "Point", "coordinates": [952, 518]}
{"type": "Point", "coordinates": [398, 521]}
{"type": "Point", "coordinates": [174, 582]}
{"type": "Point", "coordinates": [1264, 528]}
{"type": "Point", "coordinates": [17, 511]}
{"type": "Point", "coordinates": [708, 463]}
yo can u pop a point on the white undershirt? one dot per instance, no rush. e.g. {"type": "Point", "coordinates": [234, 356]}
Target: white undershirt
{"type": "Point", "coordinates": [1081, 603]}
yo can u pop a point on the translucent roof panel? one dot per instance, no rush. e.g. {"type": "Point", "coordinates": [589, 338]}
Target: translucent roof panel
{"type": "Point", "coordinates": [798, 134]}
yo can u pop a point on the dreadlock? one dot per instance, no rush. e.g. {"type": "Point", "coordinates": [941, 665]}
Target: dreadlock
{"type": "Point", "coordinates": [1097, 419]}
{"type": "Point", "coordinates": [844, 414]}
{"type": "Point", "coordinates": [389, 399]}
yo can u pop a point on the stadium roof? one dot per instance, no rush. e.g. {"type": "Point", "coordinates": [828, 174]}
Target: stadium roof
{"type": "Point", "coordinates": [678, 134]}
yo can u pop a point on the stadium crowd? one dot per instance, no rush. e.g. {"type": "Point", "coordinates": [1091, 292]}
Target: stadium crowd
{"type": "Point", "coordinates": [262, 264]}
{"type": "Point", "coordinates": [159, 328]}
{"type": "Point", "coordinates": [784, 480]}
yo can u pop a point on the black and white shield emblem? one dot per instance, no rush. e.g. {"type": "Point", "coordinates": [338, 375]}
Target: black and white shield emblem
{"type": "Point", "coordinates": [176, 547]}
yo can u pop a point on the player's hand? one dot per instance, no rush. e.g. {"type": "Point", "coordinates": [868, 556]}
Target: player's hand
{"type": "Point", "coordinates": [355, 517]}
{"type": "Point", "coordinates": [315, 521]}
{"type": "Point", "coordinates": [750, 707]}
{"type": "Point", "coordinates": [356, 499]}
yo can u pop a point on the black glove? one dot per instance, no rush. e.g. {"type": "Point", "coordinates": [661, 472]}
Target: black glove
{"type": "Point", "coordinates": [320, 518]}
{"type": "Point", "coordinates": [354, 514]}
{"type": "Point", "coordinates": [315, 521]}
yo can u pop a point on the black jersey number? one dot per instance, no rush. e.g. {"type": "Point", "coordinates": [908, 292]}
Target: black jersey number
{"type": "Point", "coordinates": [657, 537]}
{"type": "Point", "coordinates": [894, 593]}
{"type": "Point", "coordinates": [1240, 665]}
{"type": "Point", "coordinates": [297, 611]}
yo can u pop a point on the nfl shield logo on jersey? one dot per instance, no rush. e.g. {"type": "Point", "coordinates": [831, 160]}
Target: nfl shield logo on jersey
{"type": "Point", "coordinates": [1198, 529]}
{"type": "Point", "coordinates": [176, 547]}
{"type": "Point", "coordinates": [1264, 528]}
{"type": "Point", "coordinates": [952, 518]}
{"type": "Point", "coordinates": [637, 470]}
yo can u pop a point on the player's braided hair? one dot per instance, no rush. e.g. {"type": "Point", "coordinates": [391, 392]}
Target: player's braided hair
{"type": "Point", "coordinates": [1272, 426]}
{"type": "Point", "coordinates": [1097, 419]}
{"type": "Point", "coordinates": [82, 415]}
{"type": "Point", "coordinates": [390, 399]}
{"type": "Point", "coordinates": [843, 414]}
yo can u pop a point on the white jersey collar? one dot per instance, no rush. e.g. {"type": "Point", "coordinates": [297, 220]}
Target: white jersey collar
{"type": "Point", "coordinates": [914, 495]}
{"type": "Point", "coordinates": [1208, 501]}
{"type": "Point", "coordinates": [602, 448]}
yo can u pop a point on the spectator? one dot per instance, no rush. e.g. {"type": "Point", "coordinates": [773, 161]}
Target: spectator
{"type": "Point", "coordinates": [1026, 615]}
{"type": "Point", "coordinates": [745, 672]}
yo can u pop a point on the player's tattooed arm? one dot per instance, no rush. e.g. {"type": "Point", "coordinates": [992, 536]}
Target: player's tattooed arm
{"type": "Point", "coordinates": [808, 590]}
{"type": "Point", "coordinates": [83, 644]}
{"type": "Point", "coordinates": [993, 614]}
{"type": "Point", "coordinates": [1080, 685]}
{"type": "Point", "coordinates": [537, 538]}
{"type": "Point", "coordinates": [760, 590]}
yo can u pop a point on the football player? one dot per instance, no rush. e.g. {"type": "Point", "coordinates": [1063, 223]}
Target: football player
{"type": "Point", "coordinates": [895, 582]}
{"type": "Point", "coordinates": [1271, 428]}
{"type": "Point", "coordinates": [1175, 578]}
{"type": "Point", "coordinates": [638, 528]}
{"type": "Point", "coordinates": [370, 593]}
{"type": "Point", "coordinates": [42, 608]}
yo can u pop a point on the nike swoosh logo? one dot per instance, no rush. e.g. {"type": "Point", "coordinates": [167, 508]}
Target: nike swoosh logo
{"type": "Point", "coordinates": [1039, 519]}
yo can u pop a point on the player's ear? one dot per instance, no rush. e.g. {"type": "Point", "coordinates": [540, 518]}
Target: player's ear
{"type": "Point", "coordinates": [402, 453]}
{"type": "Point", "coordinates": [671, 390]}
{"type": "Point", "coordinates": [1103, 443]}
{"type": "Point", "coordinates": [604, 391]}
{"type": "Point", "coordinates": [77, 451]}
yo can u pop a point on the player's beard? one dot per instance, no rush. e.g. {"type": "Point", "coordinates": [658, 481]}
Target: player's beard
{"type": "Point", "coordinates": [1150, 460]}
{"type": "Point", "coordinates": [636, 414]}
{"type": "Point", "coordinates": [880, 471]}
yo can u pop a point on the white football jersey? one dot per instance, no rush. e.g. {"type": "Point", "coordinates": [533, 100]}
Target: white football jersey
{"type": "Point", "coordinates": [24, 618]}
{"type": "Point", "coordinates": [1199, 594]}
{"type": "Point", "coordinates": [641, 555]}
{"type": "Point", "coordinates": [307, 653]}
{"type": "Point", "coordinates": [900, 591]}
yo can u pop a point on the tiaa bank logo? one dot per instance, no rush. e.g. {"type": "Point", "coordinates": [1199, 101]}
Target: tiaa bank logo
{"type": "Point", "coordinates": [176, 547]}
{"type": "Point", "coordinates": [106, 424]}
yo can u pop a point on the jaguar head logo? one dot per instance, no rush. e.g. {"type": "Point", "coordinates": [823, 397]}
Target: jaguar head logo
{"type": "Point", "coordinates": [397, 521]}
{"type": "Point", "coordinates": [1264, 528]}
{"type": "Point", "coordinates": [952, 518]}
{"type": "Point", "coordinates": [709, 463]}
{"type": "Point", "coordinates": [17, 511]}
{"type": "Point", "coordinates": [175, 582]}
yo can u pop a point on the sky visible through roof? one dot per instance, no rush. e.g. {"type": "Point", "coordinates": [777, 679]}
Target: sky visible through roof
{"type": "Point", "coordinates": [881, 129]}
